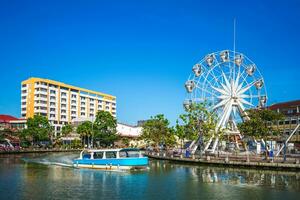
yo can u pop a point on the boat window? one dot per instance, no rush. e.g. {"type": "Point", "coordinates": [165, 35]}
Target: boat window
{"type": "Point", "coordinates": [111, 154]}
{"type": "Point", "coordinates": [129, 154]}
{"type": "Point", "coordinates": [86, 156]}
{"type": "Point", "coordinates": [133, 154]}
{"type": "Point", "coordinates": [98, 155]}
{"type": "Point", "coordinates": [123, 154]}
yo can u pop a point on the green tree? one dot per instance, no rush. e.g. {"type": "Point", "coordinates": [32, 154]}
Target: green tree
{"type": "Point", "coordinates": [180, 133]}
{"type": "Point", "coordinates": [125, 141]}
{"type": "Point", "coordinates": [262, 123]}
{"type": "Point", "coordinates": [2, 137]}
{"type": "Point", "coordinates": [198, 120]}
{"type": "Point", "coordinates": [38, 129]}
{"type": "Point", "coordinates": [66, 129]}
{"type": "Point", "coordinates": [85, 130]}
{"type": "Point", "coordinates": [170, 139]}
{"type": "Point", "coordinates": [105, 128]}
{"type": "Point", "coordinates": [156, 131]}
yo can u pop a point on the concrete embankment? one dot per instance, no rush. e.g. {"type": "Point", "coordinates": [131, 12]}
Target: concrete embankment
{"type": "Point", "coordinates": [39, 151]}
{"type": "Point", "coordinates": [208, 160]}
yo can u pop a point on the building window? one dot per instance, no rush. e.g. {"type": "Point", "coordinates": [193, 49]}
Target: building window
{"type": "Point", "coordinates": [82, 108]}
{"type": "Point", "coordinates": [73, 107]}
{"type": "Point", "coordinates": [73, 95]}
{"type": "Point", "coordinates": [82, 114]}
{"type": "Point", "coordinates": [63, 94]}
{"type": "Point", "coordinates": [52, 109]}
{"type": "Point", "coordinates": [52, 104]}
{"type": "Point", "coordinates": [52, 92]}
{"type": "Point", "coordinates": [73, 101]}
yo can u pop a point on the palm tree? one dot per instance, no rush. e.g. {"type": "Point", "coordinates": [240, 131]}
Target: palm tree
{"type": "Point", "coordinates": [85, 131]}
{"type": "Point", "coordinates": [66, 129]}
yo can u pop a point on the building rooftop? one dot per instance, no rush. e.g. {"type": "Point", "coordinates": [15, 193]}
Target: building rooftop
{"type": "Point", "coordinates": [7, 118]}
{"type": "Point", "coordinates": [287, 104]}
{"type": "Point", "coordinates": [35, 79]}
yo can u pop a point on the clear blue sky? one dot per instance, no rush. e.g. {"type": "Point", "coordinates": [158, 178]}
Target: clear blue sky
{"type": "Point", "coordinates": [142, 51]}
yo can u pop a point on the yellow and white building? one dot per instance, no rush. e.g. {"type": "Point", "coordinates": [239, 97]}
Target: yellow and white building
{"type": "Point", "coordinates": [61, 103]}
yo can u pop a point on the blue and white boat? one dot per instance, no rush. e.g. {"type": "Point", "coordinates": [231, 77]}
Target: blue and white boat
{"type": "Point", "coordinates": [111, 159]}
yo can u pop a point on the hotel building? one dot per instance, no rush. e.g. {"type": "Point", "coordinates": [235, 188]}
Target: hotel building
{"type": "Point", "coordinates": [291, 113]}
{"type": "Point", "coordinates": [61, 103]}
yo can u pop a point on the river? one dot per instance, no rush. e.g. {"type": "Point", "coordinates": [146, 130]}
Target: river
{"type": "Point", "coordinates": [47, 176]}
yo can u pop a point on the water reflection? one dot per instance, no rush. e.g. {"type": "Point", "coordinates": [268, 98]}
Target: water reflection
{"type": "Point", "coordinates": [247, 176]}
{"type": "Point", "coordinates": [35, 177]}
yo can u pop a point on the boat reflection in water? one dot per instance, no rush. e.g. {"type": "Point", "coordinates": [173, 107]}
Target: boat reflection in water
{"type": "Point", "coordinates": [111, 159]}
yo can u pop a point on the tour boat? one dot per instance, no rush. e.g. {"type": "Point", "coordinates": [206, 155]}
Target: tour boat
{"type": "Point", "coordinates": [111, 159]}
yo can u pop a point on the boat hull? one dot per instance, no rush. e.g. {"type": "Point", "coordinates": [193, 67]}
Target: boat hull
{"type": "Point", "coordinates": [112, 164]}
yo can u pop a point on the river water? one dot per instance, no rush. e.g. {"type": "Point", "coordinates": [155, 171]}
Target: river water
{"type": "Point", "coordinates": [47, 176]}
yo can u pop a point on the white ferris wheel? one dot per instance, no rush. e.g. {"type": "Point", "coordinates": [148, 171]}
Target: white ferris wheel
{"type": "Point", "coordinates": [230, 84]}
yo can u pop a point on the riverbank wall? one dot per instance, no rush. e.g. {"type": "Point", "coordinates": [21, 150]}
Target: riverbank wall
{"type": "Point", "coordinates": [40, 151]}
{"type": "Point", "coordinates": [244, 163]}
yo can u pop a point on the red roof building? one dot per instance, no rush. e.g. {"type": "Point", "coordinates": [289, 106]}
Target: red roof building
{"type": "Point", "coordinates": [10, 122]}
{"type": "Point", "coordinates": [289, 108]}
{"type": "Point", "coordinates": [6, 118]}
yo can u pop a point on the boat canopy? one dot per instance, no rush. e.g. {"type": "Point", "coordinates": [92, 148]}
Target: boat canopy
{"type": "Point", "coordinates": [109, 150]}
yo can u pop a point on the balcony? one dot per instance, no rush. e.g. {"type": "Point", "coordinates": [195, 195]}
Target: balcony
{"type": "Point", "coordinates": [40, 86]}
{"type": "Point", "coordinates": [38, 110]}
{"type": "Point", "coordinates": [40, 98]}
{"type": "Point", "coordinates": [41, 92]}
